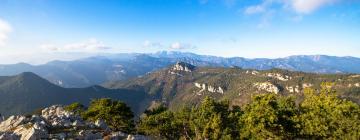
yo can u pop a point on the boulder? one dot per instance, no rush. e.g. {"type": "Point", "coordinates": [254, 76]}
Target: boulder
{"type": "Point", "coordinates": [11, 123]}
{"type": "Point", "coordinates": [55, 111]}
{"type": "Point", "coordinates": [58, 117]}
{"type": "Point", "coordinates": [28, 132]}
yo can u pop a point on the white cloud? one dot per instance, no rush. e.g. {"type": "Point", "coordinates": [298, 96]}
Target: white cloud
{"type": "Point", "coordinates": [308, 6]}
{"type": "Point", "coordinates": [172, 46]}
{"type": "Point", "coordinates": [5, 29]}
{"type": "Point", "coordinates": [90, 45]}
{"type": "Point", "coordinates": [267, 9]}
{"type": "Point", "coordinates": [148, 43]}
{"type": "Point", "coordinates": [181, 46]}
{"type": "Point", "coordinates": [299, 6]}
{"type": "Point", "coordinates": [254, 9]}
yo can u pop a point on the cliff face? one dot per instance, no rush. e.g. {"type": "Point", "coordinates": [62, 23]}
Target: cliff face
{"type": "Point", "coordinates": [182, 66]}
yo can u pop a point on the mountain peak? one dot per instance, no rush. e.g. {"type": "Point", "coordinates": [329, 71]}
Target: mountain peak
{"type": "Point", "coordinates": [31, 79]}
{"type": "Point", "coordinates": [28, 75]}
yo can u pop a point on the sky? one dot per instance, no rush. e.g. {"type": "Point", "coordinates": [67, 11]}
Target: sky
{"type": "Point", "coordinates": [38, 31]}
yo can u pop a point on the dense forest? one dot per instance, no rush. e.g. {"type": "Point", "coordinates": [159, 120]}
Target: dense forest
{"type": "Point", "coordinates": [320, 115]}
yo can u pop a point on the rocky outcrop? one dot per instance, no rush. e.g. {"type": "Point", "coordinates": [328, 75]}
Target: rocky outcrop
{"type": "Point", "coordinates": [11, 123]}
{"type": "Point", "coordinates": [279, 76]}
{"type": "Point", "coordinates": [182, 66]}
{"type": "Point", "coordinates": [293, 89]}
{"type": "Point", "coordinates": [357, 84]}
{"type": "Point", "coordinates": [24, 128]}
{"type": "Point", "coordinates": [267, 86]}
{"type": "Point", "coordinates": [354, 85]}
{"type": "Point", "coordinates": [210, 88]}
{"type": "Point", "coordinates": [307, 85]}
{"type": "Point", "coordinates": [55, 123]}
{"type": "Point", "coordinates": [355, 76]}
{"type": "Point", "coordinates": [254, 72]}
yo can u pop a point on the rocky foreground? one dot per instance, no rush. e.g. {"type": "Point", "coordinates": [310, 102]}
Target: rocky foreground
{"type": "Point", "coordinates": [57, 123]}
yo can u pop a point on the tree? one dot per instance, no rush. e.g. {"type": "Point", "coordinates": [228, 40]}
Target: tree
{"type": "Point", "coordinates": [268, 116]}
{"type": "Point", "coordinates": [77, 108]}
{"type": "Point", "coordinates": [115, 113]}
{"type": "Point", "coordinates": [323, 115]}
{"type": "Point", "coordinates": [161, 123]}
{"type": "Point", "coordinates": [211, 120]}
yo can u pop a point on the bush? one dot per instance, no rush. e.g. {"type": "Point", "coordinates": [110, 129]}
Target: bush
{"type": "Point", "coordinates": [77, 108]}
{"type": "Point", "coordinates": [116, 114]}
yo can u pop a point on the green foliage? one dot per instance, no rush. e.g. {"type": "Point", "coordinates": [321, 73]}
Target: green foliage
{"type": "Point", "coordinates": [115, 113]}
{"type": "Point", "coordinates": [77, 108]}
{"type": "Point", "coordinates": [268, 116]}
{"type": "Point", "coordinates": [162, 124]}
{"type": "Point", "coordinates": [156, 110]}
{"type": "Point", "coordinates": [323, 115]}
{"type": "Point", "coordinates": [211, 120]}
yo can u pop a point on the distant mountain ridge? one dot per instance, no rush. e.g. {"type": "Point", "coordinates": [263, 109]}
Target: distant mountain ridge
{"type": "Point", "coordinates": [26, 92]}
{"type": "Point", "coordinates": [113, 67]}
{"type": "Point", "coordinates": [176, 86]}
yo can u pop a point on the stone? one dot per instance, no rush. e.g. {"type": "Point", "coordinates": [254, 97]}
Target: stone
{"type": "Point", "coordinates": [11, 123]}
{"type": "Point", "coordinates": [55, 111]}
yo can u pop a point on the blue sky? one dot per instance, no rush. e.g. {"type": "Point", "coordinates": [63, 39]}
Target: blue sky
{"type": "Point", "coordinates": [37, 31]}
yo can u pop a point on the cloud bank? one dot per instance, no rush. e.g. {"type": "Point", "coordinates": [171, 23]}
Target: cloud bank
{"type": "Point", "coordinates": [181, 46]}
{"type": "Point", "coordinates": [5, 29]}
{"type": "Point", "coordinates": [298, 6]}
{"type": "Point", "coordinates": [308, 6]}
{"type": "Point", "coordinates": [90, 45]}
{"type": "Point", "coordinates": [172, 46]}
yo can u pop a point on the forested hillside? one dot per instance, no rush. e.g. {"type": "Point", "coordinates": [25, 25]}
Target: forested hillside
{"type": "Point", "coordinates": [175, 86]}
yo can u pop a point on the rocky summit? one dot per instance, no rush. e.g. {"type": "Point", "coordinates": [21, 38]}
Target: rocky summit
{"type": "Point", "coordinates": [182, 66]}
{"type": "Point", "coordinates": [56, 123]}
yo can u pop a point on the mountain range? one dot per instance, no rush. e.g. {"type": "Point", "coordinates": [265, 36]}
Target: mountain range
{"type": "Point", "coordinates": [182, 84]}
{"type": "Point", "coordinates": [178, 85]}
{"type": "Point", "coordinates": [114, 67]}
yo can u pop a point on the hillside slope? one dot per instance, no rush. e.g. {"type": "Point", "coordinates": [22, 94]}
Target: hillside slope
{"type": "Point", "coordinates": [26, 92]}
{"type": "Point", "coordinates": [176, 87]}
